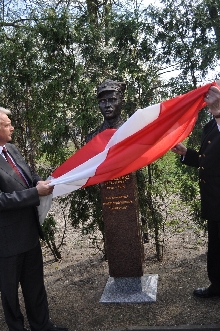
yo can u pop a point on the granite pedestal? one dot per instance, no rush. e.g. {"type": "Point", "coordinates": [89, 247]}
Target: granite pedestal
{"type": "Point", "coordinates": [124, 246]}
{"type": "Point", "coordinates": [130, 290]}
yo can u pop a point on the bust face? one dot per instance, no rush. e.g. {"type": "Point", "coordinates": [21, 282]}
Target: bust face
{"type": "Point", "coordinates": [110, 104]}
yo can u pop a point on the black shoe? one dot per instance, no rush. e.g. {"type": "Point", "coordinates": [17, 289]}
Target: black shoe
{"type": "Point", "coordinates": [54, 327]}
{"type": "Point", "coordinates": [205, 292]}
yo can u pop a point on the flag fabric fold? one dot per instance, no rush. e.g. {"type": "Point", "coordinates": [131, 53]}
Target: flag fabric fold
{"type": "Point", "coordinates": [147, 135]}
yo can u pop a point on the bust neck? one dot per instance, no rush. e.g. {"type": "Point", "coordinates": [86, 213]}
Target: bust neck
{"type": "Point", "coordinates": [113, 123]}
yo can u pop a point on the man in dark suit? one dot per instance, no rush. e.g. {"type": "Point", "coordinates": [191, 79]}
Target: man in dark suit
{"type": "Point", "coordinates": [20, 251]}
{"type": "Point", "coordinates": [207, 160]}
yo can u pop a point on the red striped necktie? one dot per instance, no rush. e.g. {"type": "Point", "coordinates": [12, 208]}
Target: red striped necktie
{"type": "Point", "coordinates": [9, 160]}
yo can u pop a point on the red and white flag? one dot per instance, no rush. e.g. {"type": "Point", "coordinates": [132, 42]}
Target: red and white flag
{"type": "Point", "coordinates": [147, 135]}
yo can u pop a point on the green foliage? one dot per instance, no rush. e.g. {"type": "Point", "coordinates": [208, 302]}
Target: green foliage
{"type": "Point", "coordinates": [40, 85]}
{"type": "Point", "coordinates": [158, 205]}
{"type": "Point", "coordinates": [85, 209]}
{"type": "Point", "coordinates": [49, 230]}
{"type": "Point", "coordinates": [185, 31]}
{"type": "Point", "coordinates": [85, 212]}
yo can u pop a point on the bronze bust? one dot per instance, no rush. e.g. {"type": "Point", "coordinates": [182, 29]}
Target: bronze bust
{"type": "Point", "coordinates": [110, 95]}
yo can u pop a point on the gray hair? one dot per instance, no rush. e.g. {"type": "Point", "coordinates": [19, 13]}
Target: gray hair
{"type": "Point", "coordinates": [5, 111]}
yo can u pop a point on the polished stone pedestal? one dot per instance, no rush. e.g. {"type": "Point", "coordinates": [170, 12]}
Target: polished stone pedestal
{"type": "Point", "coordinates": [130, 289]}
{"type": "Point", "coordinates": [123, 237]}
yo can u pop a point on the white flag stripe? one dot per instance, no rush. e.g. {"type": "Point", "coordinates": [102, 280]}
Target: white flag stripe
{"type": "Point", "coordinates": [135, 123]}
{"type": "Point", "coordinates": [85, 170]}
{"type": "Point", "coordinates": [67, 188]}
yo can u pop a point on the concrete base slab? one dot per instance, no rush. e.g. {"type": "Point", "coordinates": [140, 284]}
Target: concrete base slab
{"type": "Point", "coordinates": [130, 289]}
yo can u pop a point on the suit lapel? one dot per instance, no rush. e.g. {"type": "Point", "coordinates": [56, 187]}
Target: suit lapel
{"type": "Point", "coordinates": [21, 164]}
{"type": "Point", "coordinates": [4, 166]}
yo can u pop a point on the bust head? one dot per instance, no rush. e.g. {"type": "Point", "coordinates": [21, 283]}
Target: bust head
{"type": "Point", "coordinates": [110, 96]}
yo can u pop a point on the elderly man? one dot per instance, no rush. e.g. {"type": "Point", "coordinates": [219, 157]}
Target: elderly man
{"type": "Point", "coordinates": [207, 160]}
{"type": "Point", "coordinates": [20, 251]}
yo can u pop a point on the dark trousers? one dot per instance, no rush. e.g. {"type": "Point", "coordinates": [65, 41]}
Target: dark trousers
{"type": "Point", "coordinates": [213, 255]}
{"type": "Point", "coordinates": [26, 269]}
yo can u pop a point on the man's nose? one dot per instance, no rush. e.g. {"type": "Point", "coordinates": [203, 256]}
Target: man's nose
{"type": "Point", "coordinates": [108, 103]}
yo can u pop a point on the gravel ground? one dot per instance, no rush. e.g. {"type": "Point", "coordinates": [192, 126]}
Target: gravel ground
{"type": "Point", "coordinates": [75, 285]}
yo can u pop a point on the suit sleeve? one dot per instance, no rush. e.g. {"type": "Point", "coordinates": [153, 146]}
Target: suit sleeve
{"type": "Point", "coordinates": [19, 199]}
{"type": "Point", "coordinates": [191, 158]}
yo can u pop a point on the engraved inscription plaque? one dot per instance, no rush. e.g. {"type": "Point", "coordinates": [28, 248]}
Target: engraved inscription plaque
{"type": "Point", "coordinates": [122, 229]}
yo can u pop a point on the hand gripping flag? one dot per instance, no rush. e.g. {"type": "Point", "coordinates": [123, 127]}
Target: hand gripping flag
{"type": "Point", "coordinates": [147, 135]}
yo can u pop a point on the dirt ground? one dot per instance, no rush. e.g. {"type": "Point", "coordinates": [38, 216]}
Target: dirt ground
{"type": "Point", "coordinates": [75, 285]}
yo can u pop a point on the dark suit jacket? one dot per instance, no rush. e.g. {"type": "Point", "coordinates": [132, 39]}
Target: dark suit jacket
{"type": "Point", "coordinates": [207, 160]}
{"type": "Point", "coordinates": [19, 225]}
